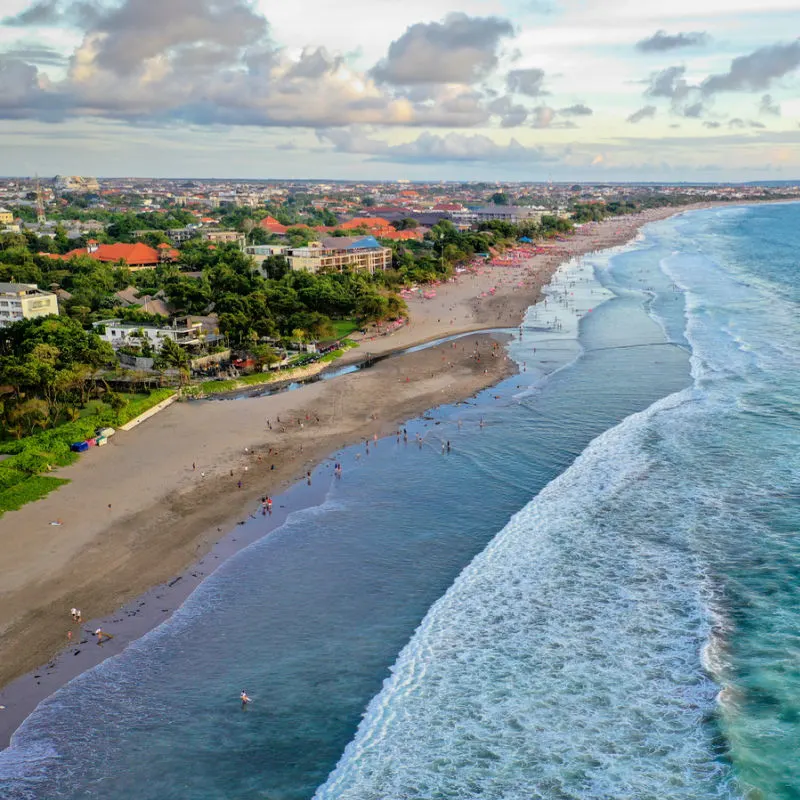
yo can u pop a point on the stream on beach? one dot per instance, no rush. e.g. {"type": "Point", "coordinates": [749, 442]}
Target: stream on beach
{"type": "Point", "coordinates": [569, 601]}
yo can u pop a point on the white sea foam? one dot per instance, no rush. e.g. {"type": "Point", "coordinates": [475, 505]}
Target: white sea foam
{"type": "Point", "coordinates": [564, 659]}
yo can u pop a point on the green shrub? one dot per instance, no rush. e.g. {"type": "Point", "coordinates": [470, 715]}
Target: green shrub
{"type": "Point", "coordinates": [27, 491]}
{"type": "Point", "coordinates": [10, 477]}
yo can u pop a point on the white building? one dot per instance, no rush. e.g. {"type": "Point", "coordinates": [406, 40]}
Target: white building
{"type": "Point", "coordinates": [25, 301]}
{"type": "Point", "coordinates": [132, 334]}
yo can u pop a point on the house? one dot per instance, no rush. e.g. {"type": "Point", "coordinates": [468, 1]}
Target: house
{"type": "Point", "coordinates": [6, 217]}
{"type": "Point", "coordinates": [25, 301]}
{"type": "Point", "coordinates": [342, 254]}
{"type": "Point", "coordinates": [226, 237]}
{"type": "Point", "coordinates": [136, 256]}
{"type": "Point", "coordinates": [121, 334]}
{"type": "Point", "coordinates": [151, 304]}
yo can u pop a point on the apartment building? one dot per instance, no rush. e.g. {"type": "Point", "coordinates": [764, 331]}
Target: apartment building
{"type": "Point", "coordinates": [342, 254]}
{"type": "Point", "coordinates": [226, 237]}
{"type": "Point", "coordinates": [25, 301]}
{"type": "Point", "coordinates": [120, 334]}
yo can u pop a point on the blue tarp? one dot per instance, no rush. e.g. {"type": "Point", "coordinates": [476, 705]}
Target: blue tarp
{"type": "Point", "coordinates": [79, 447]}
{"type": "Point", "coordinates": [525, 239]}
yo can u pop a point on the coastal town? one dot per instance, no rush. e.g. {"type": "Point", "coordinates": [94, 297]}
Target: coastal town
{"type": "Point", "coordinates": [120, 295]}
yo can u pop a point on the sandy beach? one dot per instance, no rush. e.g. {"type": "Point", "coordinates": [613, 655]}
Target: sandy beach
{"type": "Point", "coordinates": [156, 499]}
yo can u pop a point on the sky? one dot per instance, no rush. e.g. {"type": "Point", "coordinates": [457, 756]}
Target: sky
{"type": "Point", "coordinates": [506, 90]}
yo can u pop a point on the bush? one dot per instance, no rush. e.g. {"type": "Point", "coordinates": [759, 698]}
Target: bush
{"type": "Point", "coordinates": [27, 491]}
{"type": "Point", "coordinates": [10, 477]}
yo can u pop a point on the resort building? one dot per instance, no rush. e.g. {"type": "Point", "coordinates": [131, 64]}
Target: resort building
{"type": "Point", "coordinates": [135, 256]}
{"type": "Point", "coordinates": [342, 254]}
{"type": "Point", "coordinates": [25, 301]}
{"type": "Point", "coordinates": [6, 217]}
{"type": "Point", "coordinates": [131, 334]}
{"type": "Point", "coordinates": [514, 214]}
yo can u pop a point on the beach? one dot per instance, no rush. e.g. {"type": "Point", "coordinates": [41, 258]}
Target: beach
{"type": "Point", "coordinates": [154, 501]}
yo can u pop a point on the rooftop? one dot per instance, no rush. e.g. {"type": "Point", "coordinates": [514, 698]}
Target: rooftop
{"type": "Point", "coordinates": [18, 288]}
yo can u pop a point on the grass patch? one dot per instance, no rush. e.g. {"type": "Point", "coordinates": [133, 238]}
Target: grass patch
{"type": "Point", "coordinates": [29, 490]}
{"type": "Point", "coordinates": [344, 327]}
{"type": "Point", "coordinates": [139, 403]}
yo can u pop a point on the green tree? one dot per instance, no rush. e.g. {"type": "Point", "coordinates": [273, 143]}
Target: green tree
{"type": "Point", "coordinates": [171, 355]}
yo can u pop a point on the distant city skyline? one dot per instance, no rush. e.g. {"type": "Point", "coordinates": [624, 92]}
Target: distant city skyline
{"type": "Point", "coordinates": [527, 90]}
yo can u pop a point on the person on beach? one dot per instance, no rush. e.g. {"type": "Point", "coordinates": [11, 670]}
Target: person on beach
{"type": "Point", "coordinates": [102, 636]}
{"type": "Point", "coordinates": [74, 614]}
{"type": "Point", "coordinates": [244, 698]}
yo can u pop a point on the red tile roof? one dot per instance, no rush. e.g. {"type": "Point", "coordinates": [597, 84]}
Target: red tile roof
{"type": "Point", "coordinates": [134, 255]}
{"type": "Point", "coordinates": [271, 225]}
{"type": "Point", "coordinates": [402, 236]}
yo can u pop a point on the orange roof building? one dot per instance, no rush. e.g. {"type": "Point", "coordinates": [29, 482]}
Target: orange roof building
{"type": "Point", "coordinates": [377, 226]}
{"type": "Point", "coordinates": [271, 225]}
{"type": "Point", "coordinates": [403, 236]}
{"type": "Point", "coordinates": [136, 256]}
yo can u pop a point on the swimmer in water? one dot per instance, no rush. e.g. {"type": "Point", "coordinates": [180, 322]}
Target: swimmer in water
{"type": "Point", "coordinates": [244, 698]}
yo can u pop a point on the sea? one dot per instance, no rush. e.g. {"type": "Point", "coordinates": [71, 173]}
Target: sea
{"type": "Point", "coordinates": [593, 593]}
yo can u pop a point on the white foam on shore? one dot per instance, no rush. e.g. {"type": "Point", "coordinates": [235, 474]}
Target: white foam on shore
{"type": "Point", "coordinates": [564, 659]}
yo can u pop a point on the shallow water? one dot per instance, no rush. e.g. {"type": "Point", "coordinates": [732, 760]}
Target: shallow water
{"type": "Point", "coordinates": [581, 654]}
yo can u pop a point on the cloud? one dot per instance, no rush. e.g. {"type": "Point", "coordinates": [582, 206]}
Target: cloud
{"type": "Point", "coordinates": [768, 107]}
{"type": "Point", "coordinates": [578, 110]}
{"type": "Point", "coordinates": [757, 70]}
{"type": "Point", "coordinates": [712, 125]}
{"type": "Point", "coordinates": [433, 148]}
{"type": "Point", "coordinates": [668, 82]}
{"type": "Point", "coordinates": [526, 81]}
{"type": "Point", "coordinates": [46, 12]}
{"type": "Point", "coordinates": [543, 116]}
{"type": "Point", "coordinates": [61, 13]}
{"type": "Point", "coordinates": [685, 100]}
{"type": "Point", "coordinates": [36, 54]}
{"type": "Point", "coordinates": [661, 41]}
{"type": "Point", "coordinates": [315, 64]}
{"type": "Point", "coordinates": [208, 62]}
{"type": "Point", "coordinates": [22, 95]}
{"type": "Point", "coordinates": [511, 114]}
{"type": "Point", "coordinates": [188, 33]}
{"type": "Point", "coordinates": [204, 62]}
{"type": "Point", "coordinates": [460, 49]}
{"type": "Point", "coordinates": [643, 113]}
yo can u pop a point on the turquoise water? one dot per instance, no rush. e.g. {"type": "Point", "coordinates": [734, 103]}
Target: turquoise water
{"type": "Point", "coordinates": [594, 595]}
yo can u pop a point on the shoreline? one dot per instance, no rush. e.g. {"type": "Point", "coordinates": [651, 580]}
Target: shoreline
{"type": "Point", "coordinates": [126, 561]}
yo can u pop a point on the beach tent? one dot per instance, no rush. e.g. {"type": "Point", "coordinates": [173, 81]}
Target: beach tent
{"type": "Point", "coordinates": [525, 239]}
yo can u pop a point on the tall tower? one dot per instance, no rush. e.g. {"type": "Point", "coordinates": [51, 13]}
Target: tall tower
{"type": "Point", "coordinates": [40, 215]}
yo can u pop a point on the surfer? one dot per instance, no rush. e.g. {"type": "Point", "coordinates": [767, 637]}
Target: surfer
{"type": "Point", "coordinates": [244, 698]}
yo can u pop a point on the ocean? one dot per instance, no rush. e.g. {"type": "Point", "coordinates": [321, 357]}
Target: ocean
{"type": "Point", "coordinates": [593, 594]}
